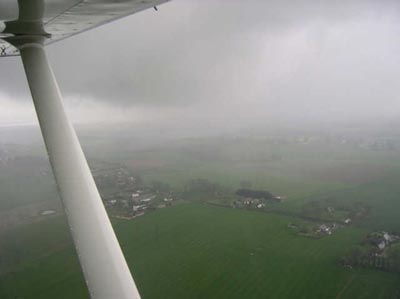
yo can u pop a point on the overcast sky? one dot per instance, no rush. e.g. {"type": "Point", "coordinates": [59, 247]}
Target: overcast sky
{"type": "Point", "coordinates": [192, 61]}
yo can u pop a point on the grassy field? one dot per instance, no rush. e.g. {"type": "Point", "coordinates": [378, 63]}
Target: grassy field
{"type": "Point", "coordinates": [202, 251]}
{"type": "Point", "coordinates": [196, 251]}
{"type": "Point", "coordinates": [26, 180]}
{"type": "Point", "coordinates": [296, 171]}
{"type": "Point", "coordinates": [382, 196]}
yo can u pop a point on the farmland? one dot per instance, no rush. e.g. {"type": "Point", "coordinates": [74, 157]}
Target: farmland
{"type": "Point", "coordinates": [198, 251]}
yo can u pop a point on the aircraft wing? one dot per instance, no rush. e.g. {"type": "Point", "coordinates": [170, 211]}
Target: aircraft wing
{"type": "Point", "coordinates": [29, 25]}
{"type": "Point", "coordinates": [65, 18]}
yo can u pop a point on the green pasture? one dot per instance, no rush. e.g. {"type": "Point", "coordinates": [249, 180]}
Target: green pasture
{"type": "Point", "coordinates": [196, 251]}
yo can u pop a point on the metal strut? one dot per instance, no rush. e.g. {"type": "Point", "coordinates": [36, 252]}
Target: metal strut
{"type": "Point", "coordinates": [104, 267]}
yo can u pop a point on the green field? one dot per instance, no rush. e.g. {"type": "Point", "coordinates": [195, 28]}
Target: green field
{"type": "Point", "coordinates": [382, 196]}
{"type": "Point", "coordinates": [196, 251]}
{"type": "Point", "coordinates": [26, 180]}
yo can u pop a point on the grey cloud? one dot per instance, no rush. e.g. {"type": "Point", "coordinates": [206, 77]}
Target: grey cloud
{"type": "Point", "coordinates": [304, 59]}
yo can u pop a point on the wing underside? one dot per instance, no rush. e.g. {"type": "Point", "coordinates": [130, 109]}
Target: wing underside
{"type": "Point", "coordinates": [65, 18]}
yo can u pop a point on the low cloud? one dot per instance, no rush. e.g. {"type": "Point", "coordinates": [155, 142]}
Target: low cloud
{"type": "Point", "coordinates": [255, 60]}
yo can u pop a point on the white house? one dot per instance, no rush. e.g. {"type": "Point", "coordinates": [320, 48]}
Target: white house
{"type": "Point", "coordinates": [139, 208]}
{"type": "Point", "coordinates": [382, 245]}
{"type": "Point", "coordinates": [387, 237]}
{"type": "Point", "coordinates": [146, 199]}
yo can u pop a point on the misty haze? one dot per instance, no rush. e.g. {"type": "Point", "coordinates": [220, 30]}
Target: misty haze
{"type": "Point", "coordinates": [241, 149]}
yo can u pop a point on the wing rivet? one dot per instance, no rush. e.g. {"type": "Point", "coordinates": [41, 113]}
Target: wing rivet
{"type": "Point", "coordinates": [3, 51]}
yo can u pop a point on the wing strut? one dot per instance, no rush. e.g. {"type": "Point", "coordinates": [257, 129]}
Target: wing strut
{"type": "Point", "coordinates": [104, 267]}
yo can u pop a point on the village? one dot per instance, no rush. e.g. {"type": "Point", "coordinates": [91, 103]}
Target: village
{"type": "Point", "coordinates": [126, 196]}
{"type": "Point", "coordinates": [379, 250]}
{"type": "Point", "coordinates": [315, 230]}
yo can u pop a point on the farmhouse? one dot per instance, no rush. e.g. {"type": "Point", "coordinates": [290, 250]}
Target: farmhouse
{"type": "Point", "coordinates": [112, 202]}
{"type": "Point", "coordinates": [324, 228]}
{"type": "Point", "coordinates": [257, 194]}
{"type": "Point", "coordinates": [139, 208]}
{"type": "Point", "coordinates": [381, 245]}
{"type": "Point", "coordinates": [146, 199]}
{"type": "Point", "coordinates": [382, 239]}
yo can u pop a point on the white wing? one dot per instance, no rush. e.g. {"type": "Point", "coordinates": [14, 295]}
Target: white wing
{"type": "Point", "coordinates": [29, 25]}
{"type": "Point", "coordinates": [65, 18]}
